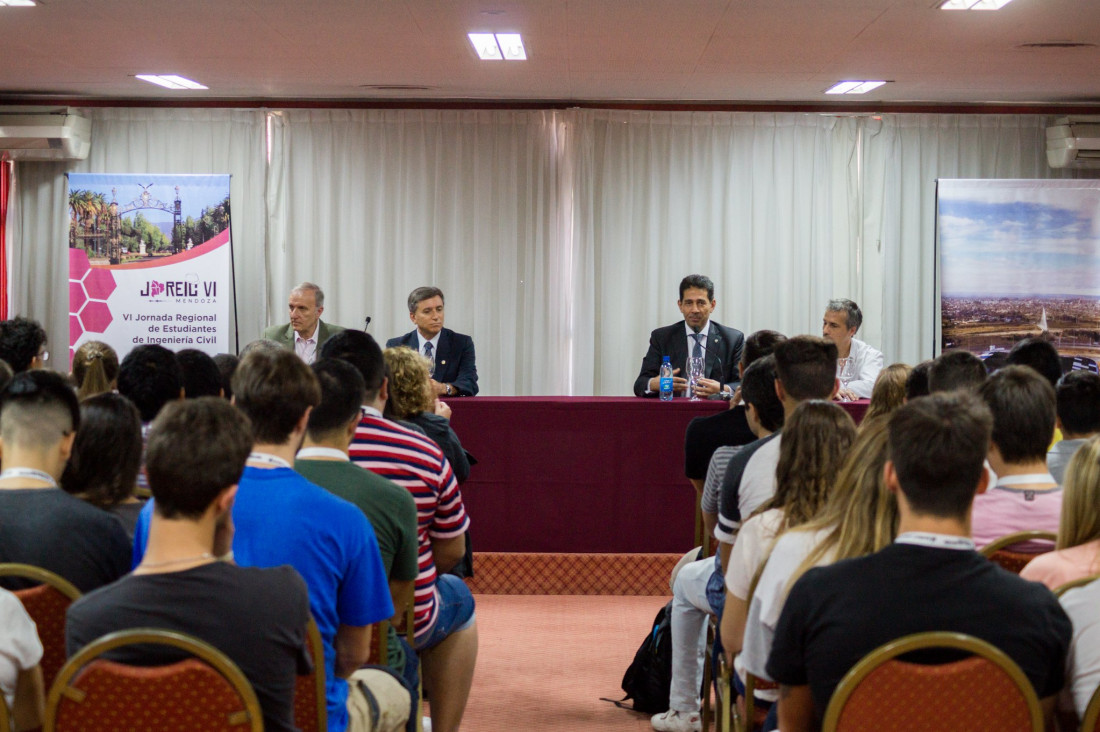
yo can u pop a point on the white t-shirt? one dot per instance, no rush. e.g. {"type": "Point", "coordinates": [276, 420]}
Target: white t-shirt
{"type": "Point", "coordinates": [20, 648]}
{"type": "Point", "coordinates": [1083, 662]}
{"type": "Point", "coordinates": [758, 480]}
{"type": "Point", "coordinates": [771, 592]}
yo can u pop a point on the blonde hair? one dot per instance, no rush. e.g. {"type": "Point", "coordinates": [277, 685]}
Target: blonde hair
{"type": "Point", "coordinates": [889, 391]}
{"type": "Point", "coordinates": [861, 514]}
{"type": "Point", "coordinates": [410, 385]}
{"type": "Point", "coordinates": [95, 369]}
{"type": "Point", "coordinates": [1080, 522]}
{"type": "Point", "coordinates": [814, 442]}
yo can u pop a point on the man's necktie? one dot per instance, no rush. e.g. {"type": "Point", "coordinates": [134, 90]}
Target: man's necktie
{"type": "Point", "coordinates": [697, 351]}
{"type": "Point", "coordinates": [428, 350]}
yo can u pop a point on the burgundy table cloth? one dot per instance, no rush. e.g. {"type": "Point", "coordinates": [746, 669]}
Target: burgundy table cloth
{"type": "Point", "coordinates": [580, 474]}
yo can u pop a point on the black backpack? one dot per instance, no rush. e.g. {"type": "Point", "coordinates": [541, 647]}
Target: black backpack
{"type": "Point", "coordinates": [649, 677]}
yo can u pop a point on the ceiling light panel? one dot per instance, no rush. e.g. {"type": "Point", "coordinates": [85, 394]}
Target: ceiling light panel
{"type": "Point", "coordinates": [171, 81]}
{"type": "Point", "coordinates": [494, 47]}
{"type": "Point", "coordinates": [486, 46]}
{"type": "Point", "coordinates": [17, 3]}
{"type": "Point", "coordinates": [853, 87]}
{"type": "Point", "coordinates": [973, 4]}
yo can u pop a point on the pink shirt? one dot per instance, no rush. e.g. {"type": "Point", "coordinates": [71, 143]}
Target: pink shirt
{"type": "Point", "coordinates": [1055, 569]}
{"type": "Point", "coordinates": [1001, 511]}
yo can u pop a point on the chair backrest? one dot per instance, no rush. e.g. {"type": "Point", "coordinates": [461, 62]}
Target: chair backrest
{"type": "Point", "coordinates": [205, 693]}
{"type": "Point", "coordinates": [46, 604]}
{"type": "Point", "coordinates": [1063, 589]}
{"type": "Point", "coordinates": [310, 705]}
{"type": "Point", "coordinates": [986, 690]}
{"type": "Point", "coordinates": [1091, 721]}
{"type": "Point", "coordinates": [5, 718]}
{"type": "Point", "coordinates": [1000, 550]}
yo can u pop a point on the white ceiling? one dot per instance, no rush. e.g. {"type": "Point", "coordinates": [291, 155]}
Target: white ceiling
{"type": "Point", "coordinates": [611, 50]}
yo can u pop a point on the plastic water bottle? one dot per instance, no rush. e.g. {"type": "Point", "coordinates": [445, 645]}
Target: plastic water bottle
{"type": "Point", "coordinates": [666, 380]}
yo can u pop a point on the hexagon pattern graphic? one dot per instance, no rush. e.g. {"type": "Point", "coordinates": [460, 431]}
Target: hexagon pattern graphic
{"type": "Point", "coordinates": [88, 292]}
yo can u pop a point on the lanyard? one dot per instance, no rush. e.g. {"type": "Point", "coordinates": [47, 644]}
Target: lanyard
{"type": "Point", "coordinates": [937, 541]}
{"type": "Point", "coordinates": [266, 458]}
{"type": "Point", "coordinates": [322, 452]}
{"type": "Point", "coordinates": [29, 473]}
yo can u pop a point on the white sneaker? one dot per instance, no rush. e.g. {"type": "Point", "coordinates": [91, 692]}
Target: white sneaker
{"type": "Point", "coordinates": [673, 721]}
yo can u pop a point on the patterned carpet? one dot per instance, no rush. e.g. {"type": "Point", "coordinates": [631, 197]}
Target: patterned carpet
{"type": "Point", "coordinates": [572, 574]}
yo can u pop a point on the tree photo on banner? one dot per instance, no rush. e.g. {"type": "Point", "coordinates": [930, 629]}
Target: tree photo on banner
{"type": "Point", "coordinates": [150, 261]}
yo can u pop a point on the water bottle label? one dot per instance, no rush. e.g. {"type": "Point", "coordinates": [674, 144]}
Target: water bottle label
{"type": "Point", "coordinates": [666, 383]}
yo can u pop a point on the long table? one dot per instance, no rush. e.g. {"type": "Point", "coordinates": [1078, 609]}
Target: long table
{"type": "Point", "coordinates": [580, 474]}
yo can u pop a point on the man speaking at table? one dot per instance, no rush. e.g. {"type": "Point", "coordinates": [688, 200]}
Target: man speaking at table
{"type": "Point", "coordinates": [455, 372]}
{"type": "Point", "coordinates": [695, 336]}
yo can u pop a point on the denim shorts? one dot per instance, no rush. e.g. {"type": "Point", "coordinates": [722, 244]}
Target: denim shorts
{"type": "Point", "coordinates": [456, 610]}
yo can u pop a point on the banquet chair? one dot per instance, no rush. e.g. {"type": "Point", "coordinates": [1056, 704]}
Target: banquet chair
{"type": "Point", "coordinates": [984, 691]}
{"type": "Point", "coordinates": [310, 704]}
{"type": "Point", "coordinates": [1091, 721]}
{"type": "Point", "coordinates": [5, 718]}
{"type": "Point", "coordinates": [1000, 550]}
{"type": "Point", "coordinates": [1063, 589]}
{"type": "Point", "coordinates": [204, 693]}
{"type": "Point", "coordinates": [46, 603]}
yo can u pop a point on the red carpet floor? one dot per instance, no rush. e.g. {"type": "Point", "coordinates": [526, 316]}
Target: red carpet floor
{"type": "Point", "coordinates": [545, 661]}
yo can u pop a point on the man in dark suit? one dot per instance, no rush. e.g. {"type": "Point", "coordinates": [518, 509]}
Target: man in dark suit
{"type": "Point", "coordinates": [452, 353]}
{"type": "Point", "coordinates": [695, 335]}
{"type": "Point", "coordinates": [305, 333]}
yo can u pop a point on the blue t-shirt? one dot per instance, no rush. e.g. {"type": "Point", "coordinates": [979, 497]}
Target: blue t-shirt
{"type": "Point", "coordinates": [282, 518]}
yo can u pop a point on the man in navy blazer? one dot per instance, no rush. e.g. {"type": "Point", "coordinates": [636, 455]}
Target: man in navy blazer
{"type": "Point", "coordinates": [455, 369]}
{"type": "Point", "coordinates": [721, 346]}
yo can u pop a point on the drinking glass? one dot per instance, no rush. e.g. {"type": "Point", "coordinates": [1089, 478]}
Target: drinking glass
{"type": "Point", "coordinates": [695, 372]}
{"type": "Point", "coordinates": [845, 371]}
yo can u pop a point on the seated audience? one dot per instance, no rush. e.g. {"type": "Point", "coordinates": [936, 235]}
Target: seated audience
{"type": "Point", "coordinates": [391, 510]}
{"type": "Point", "coordinates": [282, 518]}
{"type": "Point", "coordinates": [1077, 552]}
{"type": "Point", "coordinates": [815, 442]}
{"type": "Point", "coordinates": [257, 617]}
{"type": "Point", "coordinates": [916, 384]}
{"type": "Point", "coordinates": [95, 369]}
{"type": "Point", "coordinates": [1083, 664]}
{"type": "Point", "coordinates": [1078, 399]}
{"type": "Point", "coordinates": [106, 457]}
{"type": "Point", "coordinates": [201, 376]}
{"type": "Point", "coordinates": [953, 370]}
{"type": "Point", "coordinates": [23, 344]}
{"type": "Point", "coordinates": [20, 674]}
{"type": "Point", "coordinates": [40, 524]}
{"type": "Point", "coordinates": [697, 589]}
{"type": "Point", "coordinates": [705, 435]}
{"type": "Point", "coordinates": [929, 579]}
{"type": "Point", "coordinates": [445, 622]}
{"type": "Point", "coordinates": [150, 376]}
{"type": "Point", "coordinates": [859, 518]}
{"type": "Point", "coordinates": [412, 399]}
{"type": "Point", "coordinates": [1025, 496]}
{"type": "Point", "coordinates": [1040, 355]}
{"type": "Point", "coordinates": [889, 391]}
{"type": "Point", "coordinates": [227, 364]}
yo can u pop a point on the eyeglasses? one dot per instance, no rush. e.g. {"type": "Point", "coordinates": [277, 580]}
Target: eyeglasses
{"type": "Point", "coordinates": [43, 355]}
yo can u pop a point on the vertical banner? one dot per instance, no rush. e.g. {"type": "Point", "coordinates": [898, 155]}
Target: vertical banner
{"type": "Point", "coordinates": [150, 261]}
{"type": "Point", "coordinates": [1020, 259]}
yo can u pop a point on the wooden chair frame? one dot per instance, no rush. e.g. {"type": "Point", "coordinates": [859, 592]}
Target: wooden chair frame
{"type": "Point", "coordinates": [5, 717]}
{"type": "Point", "coordinates": [918, 641]}
{"type": "Point", "coordinates": [252, 716]}
{"type": "Point", "coordinates": [1018, 537]}
{"type": "Point", "coordinates": [317, 654]}
{"type": "Point", "coordinates": [1092, 713]}
{"type": "Point", "coordinates": [42, 576]}
{"type": "Point", "coordinates": [1063, 589]}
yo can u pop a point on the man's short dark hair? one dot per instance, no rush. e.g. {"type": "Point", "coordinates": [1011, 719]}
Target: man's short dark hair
{"type": "Point", "coordinates": [851, 311]}
{"type": "Point", "coordinates": [1023, 408]}
{"type": "Point", "coordinates": [758, 389]}
{"type": "Point", "coordinates": [274, 390]}
{"type": "Point", "coordinates": [150, 376]}
{"type": "Point", "coordinates": [697, 281]}
{"type": "Point", "coordinates": [201, 376]}
{"type": "Point", "coordinates": [342, 395]}
{"type": "Point", "coordinates": [1078, 396]}
{"type": "Point", "coordinates": [227, 364]}
{"type": "Point", "coordinates": [196, 449]}
{"type": "Point", "coordinates": [938, 445]}
{"type": "Point", "coordinates": [37, 409]}
{"type": "Point", "coordinates": [20, 340]}
{"type": "Point", "coordinates": [956, 370]}
{"type": "Point", "coordinates": [916, 384]}
{"type": "Point", "coordinates": [760, 344]}
{"type": "Point", "coordinates": [806, 367]}
{"type": "Point", "coordinates": [361, 351]}
{"type": "Point", "coordinates": [1040, 355]}
{"type": "Point", "coordinates": [421, 294]}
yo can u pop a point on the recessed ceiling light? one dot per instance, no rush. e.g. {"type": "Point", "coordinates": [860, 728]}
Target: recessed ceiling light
{"type": "Point", "coordinates": [973, 4]}
{"type": "Point", "coordinates": [171, 81]}
{"type": "Point", "coordinates": [853, 87]}
{"type": "Point", "coordinates": [490, 47]}
{"type": "Point", "coordinates": [17, 3]}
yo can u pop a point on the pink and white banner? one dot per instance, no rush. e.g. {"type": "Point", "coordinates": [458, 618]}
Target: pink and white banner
{"type": "Point", "coordinates": [150, 261]}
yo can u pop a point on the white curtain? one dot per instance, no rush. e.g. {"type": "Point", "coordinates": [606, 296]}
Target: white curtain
{"type": "Point", "coordinates": [138, 141]}
{"type": "Point", "coordinates": [760, 202]}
